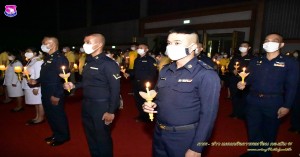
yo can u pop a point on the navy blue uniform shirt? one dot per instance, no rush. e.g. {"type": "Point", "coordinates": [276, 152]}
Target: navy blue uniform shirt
{"type": "Point", "coordinates": [189, 95]}
{"type": "Point", "coordinates": [101, 80]}
{"type": "Point", "coordinates": [277, 76]}
{"type": "Point", "coordinates": [50, 70]}
{"type": "Point", "coordinates": [144, 68]}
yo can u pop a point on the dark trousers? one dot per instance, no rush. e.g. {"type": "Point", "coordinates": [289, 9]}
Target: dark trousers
{"type": "Point", "coordinates": [55, 114]}
{"type": "Point", "coordinates": [139, 101]}
{"type": "Point", "coordinates": [238, 98]}
{"type": "Point", "coordinates": [295, 116]}
{"type": "Point", "coordinates": [262, 125]}
{"type": "Point", "coordinates": [171, 143]}
{"type": "Point", "coordinates": [97, 133]}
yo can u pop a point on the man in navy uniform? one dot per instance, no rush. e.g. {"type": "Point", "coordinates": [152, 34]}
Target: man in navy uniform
{"type": "Point", "coordinates": [238, 97]}
{"type": "Point", "coordinates": [187, 100]}
{"type": "Point", "coordinates": [272, 80]}
{"type": "Point", "coordinates": [53, 91]}
{"type": "Point", "coordinates": [101, 95]}
{"type": "Point", "coordinates": [144, 71]}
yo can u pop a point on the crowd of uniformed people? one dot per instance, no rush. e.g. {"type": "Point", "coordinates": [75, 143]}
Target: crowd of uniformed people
{"type": "Point", "coordinates": [188, 84]}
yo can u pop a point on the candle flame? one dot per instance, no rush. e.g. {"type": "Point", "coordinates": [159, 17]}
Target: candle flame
{"type": "Point", "coordinates": [63, 67]}
{"type": "Point", "coordinates": [147, 85]}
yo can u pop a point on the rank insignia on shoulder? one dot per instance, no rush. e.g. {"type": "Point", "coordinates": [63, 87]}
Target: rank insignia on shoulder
{"type": "Point", "coordinates": [94, 68]}
{"type": "Point", "coordinates": [49, 61]}
{"type": "Point", "coordinates": [185, 80]}
{"type": "Point", "coordinates": [279, 64]}
{"type": "Point", "coordinates": [190, 66]}
{"type": "Point", "coordinates": [163, 78]}
{"type": "Point", "coordinates": [258, 62]}
{"type": "Point", "coordinates": [155, 64]}
{"type": "Point", "coordinates": [116, 76]}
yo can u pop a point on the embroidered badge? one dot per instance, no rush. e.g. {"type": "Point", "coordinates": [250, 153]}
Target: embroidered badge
{"type": "Point", "coordinates": [116, 76]}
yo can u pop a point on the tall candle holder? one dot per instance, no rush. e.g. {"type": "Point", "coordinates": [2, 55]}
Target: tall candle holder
{"type": "Point", "coordinates": [18, 70]}
{"type": "Point", "coordinates": [243, 75]}
{"type": "Point", "coordinates": [65, 76]}
{"type": "Point", "coordinates": [148, 96]}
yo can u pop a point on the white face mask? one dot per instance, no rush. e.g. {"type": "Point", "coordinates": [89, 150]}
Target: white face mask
{"type": "Point", "coordinates": [225, 56]}
{"type": "Point", "coordinates": [177, 52]}
{"type": "Point", "coordinates": [132, 48]}
{"type": "Point", "coordinates": [271, 46]}
{"type": "Point", "coordinates": [44, 48]}
{"type": "Point", "coordinates": [243, 49]}
{"type": "Point", "coordinates": [140, 51]}
{"type": "Point", "coordinates": [88, 48]}
{"type": "Point", "coordinates": [29, 55]}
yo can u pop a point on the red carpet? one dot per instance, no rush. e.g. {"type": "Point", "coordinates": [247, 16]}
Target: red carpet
{"type": "Point", "coordinates": [131, 139]}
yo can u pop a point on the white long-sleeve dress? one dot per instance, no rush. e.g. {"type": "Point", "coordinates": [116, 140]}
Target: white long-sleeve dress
{"type": "Point", "coordinates": [12, 78]}
{"type": "Point", "coordinates": [33, 68]}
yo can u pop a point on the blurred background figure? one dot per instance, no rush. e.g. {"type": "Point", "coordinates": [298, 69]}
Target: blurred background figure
{"type": "Point", "coordinates": [13, 82]}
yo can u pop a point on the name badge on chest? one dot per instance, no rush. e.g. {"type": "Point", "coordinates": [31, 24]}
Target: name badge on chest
{"type": "Point", "coordinates": [144, 61]}
{"type": "Point", "coordinates": [94, 68]}
{"type": "Point", "coordinates": [279, 64]}
{"type": "Point", "coordinates": [185, 80]}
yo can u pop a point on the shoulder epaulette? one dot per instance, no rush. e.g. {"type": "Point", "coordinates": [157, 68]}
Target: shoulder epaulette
{"type": "Point", "coordinates": [206, 66]}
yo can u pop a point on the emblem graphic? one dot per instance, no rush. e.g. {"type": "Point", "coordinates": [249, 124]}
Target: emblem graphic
{"type": "Point", "coordinates": [10, 10]}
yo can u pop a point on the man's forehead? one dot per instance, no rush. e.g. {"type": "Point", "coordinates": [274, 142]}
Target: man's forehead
{"type": "Point", "coordinates": [182, 37]}
{"type": "Point", "coordinates": [274, 37]}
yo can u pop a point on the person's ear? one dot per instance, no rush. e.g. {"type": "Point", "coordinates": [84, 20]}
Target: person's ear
{"type": "Point", "coordinates": [281, 45]}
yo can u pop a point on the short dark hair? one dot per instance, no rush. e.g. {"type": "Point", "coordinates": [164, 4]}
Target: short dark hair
{"type": "Point", "coordinates": [246, 42]}
{"type": "Point", "coordinates": [276, 33]}
{"type": "Point", "coordinates": [183, 30]}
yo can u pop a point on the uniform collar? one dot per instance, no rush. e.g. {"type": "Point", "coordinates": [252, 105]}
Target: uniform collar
{"type": "Point", "coordinates": [190, 66]}
{"type": "Point", "coordinates": [99, 56]}
{"type": "Point", "coordinates": [280, 56]}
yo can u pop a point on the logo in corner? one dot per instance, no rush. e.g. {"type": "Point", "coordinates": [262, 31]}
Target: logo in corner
{"type": "Point", "coordinates": [10, 10]}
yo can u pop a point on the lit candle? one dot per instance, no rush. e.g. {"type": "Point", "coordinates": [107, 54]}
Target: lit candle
{"type": "Point", "coordinates": [75, 66]}
{"type": "Point", "coordinates": [236, 66]}
{"type": "Point", "coordinates": [18, 69]}
{"type": "Point", "coordinates": [2, 67]}
{"type": "Point", "coordinates": [63, 69]}
{"type": "Point", "coordinates": [147, 88]}
{"type": "Point", "coordinates": [223, 69]}
{"type": "Point", "coordinates": [243, 75]}
{"type": "Point", "coordinates": [26, 73]}
{"type": "Point", "coordinates": [236, 63]}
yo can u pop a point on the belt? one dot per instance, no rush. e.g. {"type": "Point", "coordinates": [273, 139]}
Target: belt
{"type": "Point", "coordinates": [177, 128]}
{"type": "Point", "coordinates": [264, 95]}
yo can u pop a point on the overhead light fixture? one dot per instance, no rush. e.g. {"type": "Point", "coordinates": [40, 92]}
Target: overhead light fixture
{"type": "Point", "coordinates": [73, 47]}
{"type": "Point", "coordinates": [113, 47]}
{"type": "Point", "coordinates": [186, 21]}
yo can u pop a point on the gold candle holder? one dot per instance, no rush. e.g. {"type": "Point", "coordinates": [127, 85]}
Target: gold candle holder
{"type": "Point", "coordinates": [65, 76]}
{"type": "Point", "coordinates": [243, 75]}
{"type": "Point", "coordinates": [25, 72]}
{"type": "Point", "coordinates": [149, 96]}
{"type": "Point", "coordinates": [18, 70]}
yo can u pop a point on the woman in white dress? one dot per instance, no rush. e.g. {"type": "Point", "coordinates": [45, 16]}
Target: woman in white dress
{"type": "Point", "coordinates": [33, 95]}
{"type": "Point", "coordinates": [12, 82]}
